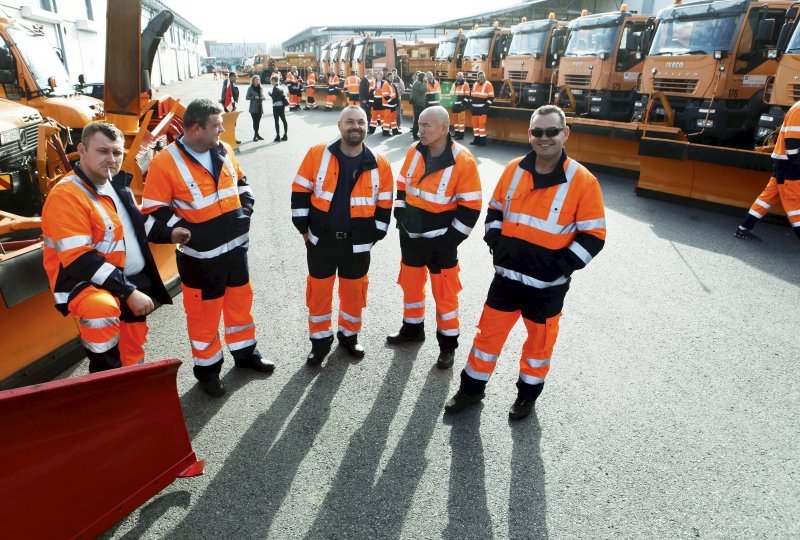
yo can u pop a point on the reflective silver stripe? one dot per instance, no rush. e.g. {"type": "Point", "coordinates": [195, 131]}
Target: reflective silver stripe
{"type": "Point", "coordinates": [208, 200]}
{"type": "Point", "coordinates": [235, 346]}
{"type": "Point", "coordinates": [381, 225]}
{"type": "Point", "coordinates": [476, 374]}
{"type": "Point", "coordinates": [186, 174]}
{"type": "Point", "coordinates": [349, 317]}
{"type": "Point", "coordinates": [530, 379]}
{"type": "Point", "coordinates": [102, 273]}
{"type": "Point", "coordinates": [323, 170]}
{"type": "Point", "coordinates": [231, 168]}
{"type": "Point", "coordinates": [486, 357]}
{"type": "Point", "coordinates": [346, 332]}
{"type": "Point", "coordinates": [448, 332]}
{"type": "Point", "coordinates": [300, 181]}
{"type": "Point", "coordinates": [414, 305]}
{"type": "Point", "coordinates": [108, 247]}
{"type": "Point", "coordinates": [361, 201]}
{"type": "Point", "coordinates": [320, 335]}
{"type": "Point", "coordinates": [101, 347]}
{"type": "Point", "coordinates": [385, 196]}
{"type": "Point", "coordinates": [108, 235]}
{"type": "Point", "coordinates": [173, 221]}
{"type": "Point", "coordinates": [203, 345]}
{"type": "Point", "coordinates": [101, 322]}
{"type": "Point", "coordinates": [796, 224]}
{"type": "Point", "coordinates": [151, 203]}
{"type": "Point", "coordinates": [375, 185]}
{"type": "Point", "coordinates": [469, 196]}
{"type": "Point", "coordinates": [776, 155]}
{"type": "Point", "coordinates": [591, 224]}
{"type": "Point", "coordinates": [448, 316]}
{"type": "Point", "coordinates": [460, 227]}
{"type": "Point", "coordinates": [512, 187]}
{"type": "Point", "coordinates": [527, 280]}
{"type": "Point", "coordinates": [234, 329]}
{"type": "Point", "coordinates": [762, 203]}
{"type": "Point", "coordinates": [791, 152]}
{"type": "Point", "coordinates": [755, 214]}
{"type": "Point", "coordinates": [148, 225]}
{"type": "Point", "coordinates": [793, 213]}
{"type": "Point", "coordinates": [320, 318]}
{"type": "Point", "coordinates": [430, 197]}
{"type": "Point", "coordinates": [61, 297]}
{"type": "Point", "coordinates": [493, 225]}
{"type": "Point", "coordinates": [245, 189]}
{"type": "Point", "coordinates": [48, 242]}
{"type": "Point", "coordinates": [362, 248]}
{"type": "Point", "coordinates": [581, 252]}
{"type": "Point", "coordinates": [399, 203]}
{"type": "Point", "coordinates": [311, 238]}
{"type": "Point", "coordinates": [326, 195]}
{"type": "Point", "coordinates": [497, 205]}
{"type": "Point", "coordinates": [543, 225]}
{"type": "Point", "coordinates": [216, 252]}
{"type": "Point", "coordinates": [413, 320]}
{"type": "Point", "coordinates": [208, 361]}
{"type": "Point", "coordinates": [299, 212]}
{"type": "Point", "coordinates": [72, 242]}
{"type": "Point", "coordinates": [428, 234]}
{"type": "Point", "coordinates": [413, 166]}
{"type": "Point", "coordinates": [537, 363]}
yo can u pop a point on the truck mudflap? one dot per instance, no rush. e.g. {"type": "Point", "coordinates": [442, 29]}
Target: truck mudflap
{"type": "Point", "coordinates": [90, 450]}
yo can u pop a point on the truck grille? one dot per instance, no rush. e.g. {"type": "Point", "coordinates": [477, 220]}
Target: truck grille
{"type": "Point", "coordinates": [578, 80]}
{"type": "Point", "coordinates": [795, 91]}
{"type": "Point", "coordinates": [16, 150]}
{"type": "Point", "coordinates": [676, 86]}
{"type": "Point", "coordinates": [518, 75]}
{"type": "Point", "coordinates": [440, 75]}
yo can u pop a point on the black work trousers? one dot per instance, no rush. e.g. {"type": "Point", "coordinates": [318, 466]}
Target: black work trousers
{"type": "Point", "coordinates": [331, 256]}
{"type": "Point", "coordinates": [279, 114]}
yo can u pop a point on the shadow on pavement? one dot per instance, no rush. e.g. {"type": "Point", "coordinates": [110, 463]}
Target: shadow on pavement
{"type": "Point", "coordinates": [152, 512]}
{"type": "Point", "coordinates": [246, 493]}
{"type": "Point", "coordinates": [354, 508]}
{"type": "Point", "coordinates": [527, 504]}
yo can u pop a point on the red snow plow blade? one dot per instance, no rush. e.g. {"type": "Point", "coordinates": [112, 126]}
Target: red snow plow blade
{"type": "Point", "coordinates": [80, 454]}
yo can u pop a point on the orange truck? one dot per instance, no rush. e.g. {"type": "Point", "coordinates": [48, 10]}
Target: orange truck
{"type": "Point", "coordinates": [449, 57]}
{"type": "Point", "coordinates": [416, 56]}
{"type": "Point", "coordinates": [530, 63]}
{"type": "Point", "coordinates": [373, 53]}
{"type": "Point", "coordinates": [599, 72]}
{"type": "Point", "coordinates": [485, 50]}
{"type": "Point", "coordinates": [708, 68]}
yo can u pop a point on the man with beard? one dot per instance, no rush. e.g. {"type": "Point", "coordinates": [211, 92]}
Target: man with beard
{"type": "Point", "coordinates": [341, 204]}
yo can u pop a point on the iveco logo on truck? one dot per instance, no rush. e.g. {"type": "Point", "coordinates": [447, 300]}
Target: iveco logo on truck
{"type": "Point", "coordinates": [577, 64]}
{"type": "Point", "coordinates": [674, 65]}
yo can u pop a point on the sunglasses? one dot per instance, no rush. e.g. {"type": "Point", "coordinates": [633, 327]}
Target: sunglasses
{"type": "Point", "coordinates": [548, 132]}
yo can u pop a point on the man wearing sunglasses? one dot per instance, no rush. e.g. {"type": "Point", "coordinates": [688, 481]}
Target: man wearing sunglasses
{"type": "Point", "coordinates": [545, 220]}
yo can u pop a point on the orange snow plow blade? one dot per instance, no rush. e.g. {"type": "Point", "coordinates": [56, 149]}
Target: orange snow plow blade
{"type": "Point", "coordinates": [80, 454]}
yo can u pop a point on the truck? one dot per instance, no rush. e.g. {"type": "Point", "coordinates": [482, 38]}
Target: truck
{"type": "Point", "coordinates": [485, 50]}
{"type": "Point", "coordinates": [708, 68]}
{"type": "Point", "coordinates": [449, 57]}
{"type": "Point", "coordinates": [599, 72]}
{"type": "Point", "coordinates": [529, 66]}
{"type": "Point", "coordinates": [19, 133]}
{"type": "Point", "coordinates": [416, 56]}
{"type": "Point", "coordinates": [373, 53]}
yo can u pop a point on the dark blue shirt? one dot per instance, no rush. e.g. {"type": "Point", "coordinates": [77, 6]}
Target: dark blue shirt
{"type": "Point", "coordinates": [349, 170]}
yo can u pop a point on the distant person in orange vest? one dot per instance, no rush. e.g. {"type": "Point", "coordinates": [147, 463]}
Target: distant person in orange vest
{"type": "Point", "coordinates": [333, 90]}
{"type": "Point", "coordinates": [377, 102]}
{"type": "Point", "coordinates": [462, 93]}
{"type": "Point", "coordinates": [433, 95]}
{"type": "Point", "coordinates": [96, 252]}
{"type": "Point", "coordinates": [390, 103]}
{"type": "Point", "coordinates": [294, 84]}
{"type": "Point", "coordinates": [784, 186]}
{"type": "Point", "coordinates": [351, 85]}
{"type": "Point", "coordinates": [311, 82]}
{"type": "Point", "coordinates": [481, 96]}
{"type": "Point", "coordinates": [401, 87]}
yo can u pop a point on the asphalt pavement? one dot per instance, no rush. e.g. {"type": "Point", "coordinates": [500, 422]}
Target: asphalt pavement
{"type": "Point", "coordinates": [670, 411]}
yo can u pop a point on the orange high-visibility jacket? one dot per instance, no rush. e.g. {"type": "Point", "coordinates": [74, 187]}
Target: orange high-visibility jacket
{"type": "Point", "coordinates": [333, 84]}
{"type": "Point", "coordinates": [84, 242]}
{"type": "Point", "coordinates": [543, 229]}
{"type": "Point", "coordinates": [389, 93]}
{"type": "Point", "coordinates": [786, 155]}
{"type": "Point", "coordinates": [481, 97]}
{"type": "Point", "coordinates": [433, 94]}
{"type": "Point", "coordinates": [216, 208]}
{"type": "Point", "coordinates": [445, 201]}
{"type": "Point", "coordinates": [311, 80]}
{"type": "Point", "coordinates": [370, 200]}
{"type": "Point", "coordinates": [292, 81]}
{"type": "Point", "coordinates": [351, 84]}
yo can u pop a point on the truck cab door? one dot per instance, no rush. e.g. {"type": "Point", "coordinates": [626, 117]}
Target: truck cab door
{"type": "Point", "coordinates": [9, 79]}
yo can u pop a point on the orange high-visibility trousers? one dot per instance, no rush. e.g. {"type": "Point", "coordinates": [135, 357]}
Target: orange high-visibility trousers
{"type": "Point", "coordinates": [445, 286]}
{"type": "Point", "coordinates": [479, 125]}
{"type": "Point", "coordinates": [389, 119]}
{"type": "Point", "coordinates": [319, 300]}
{"type": "Point", "coordinates": [493, 330]}
{"type": "Point", "coordinates": [109, 342]}
{"type": "Point", "coordinates": [377, 117]}
{"type": "Point", "coordinates": [459, 123]}
{"type": "Point", "coordinates": [330, 101]}
{"type": "Point", "coordinates": [203, 317]}
{"type": "Point", "coordinates": [787, 193]}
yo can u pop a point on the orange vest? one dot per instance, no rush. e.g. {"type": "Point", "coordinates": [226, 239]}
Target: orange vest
{"type": "Point", "coordinates": [351, 84]}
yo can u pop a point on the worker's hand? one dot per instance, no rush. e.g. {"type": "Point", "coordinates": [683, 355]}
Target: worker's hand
{"type": "Point", "coordinates": [305, 237]}
{"type": "Point", "coordinates": [140, 303]}
{"type": "Point", "coordinates": [180, 236]}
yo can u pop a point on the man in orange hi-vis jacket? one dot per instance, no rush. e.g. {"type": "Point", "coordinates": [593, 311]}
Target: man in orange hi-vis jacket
{"type": "Point", "coordinates": [545, 220]}
{"type": "Point", "coordinates": [784, 186]}
{"type": "Point", "coordinates": [333, 90]}
{"type": "Point", "coordinates": [96, 252]}
{"type": "Point", "coordinates": [196, 182]}
{"type": "Point", "coordinates": [341, 204]}
{"type": "Point", "coordinates": [351, 85]}
{"type": "Point", "coordinates": [438, 203]}
{"type": "Point", "coordinates": [311, 81]}
{"type": "Point", "coordinates": [481, 96]}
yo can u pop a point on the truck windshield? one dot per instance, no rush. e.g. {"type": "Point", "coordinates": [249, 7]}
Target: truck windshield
{"type": "Point", "coordinates": [42, 61]}
{"type": "Point", "coordinates": [527, 43]}
{"type": "Point", "coordinates": [592, 40]}
{"type": "Point", "coordinates": [445, 50]}
{"type": "Point", "coordinates": [794, 43]}
{"type": "Point", "coordinates": [477, 47]}
{"type": "Point", "coordinates": [358, 54]}
{"type": "Point", "coordinates": [344, 55]}
{"type": "Point", "coordinates": [695, 36]}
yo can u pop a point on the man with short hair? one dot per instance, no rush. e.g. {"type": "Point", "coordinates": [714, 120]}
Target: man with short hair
{"type": "Point", "coordinates": [333, 90]}
{"type": "Point", "coordinates": [364, 89]}
{"type": "Point", "coordinates": [401, 88]}
{"type": "Point", "coordinates": [351, 88]}
{"type": "Point", "coordinates": [295, 85]}
{"type": "Point", "coordinates": [545, 220]}
{"type": "Point", "coordinates": [311, 81]}
{"type": "Point", "coordinates": [461, 91]}
{"type": "Point", "coordinates": [481, 97]}
{"type": "Point", "coordinates": [438, 203]}
{"type": "Point", "coordinates": [341, 204]}
{"type": "Point", "coordinates": [418, 90]}
{"type": "Point", "coordinates": [433, 94]}
{"type": "Point", "coordinates": [96, 252]}
{"type": "Point", "coordinates": [390, 102]}
{"type": "Point", "coordinates": [196, 182]}
{"type": "Point", "coordinates": [376, 99]}
{"type": "Point", "coordinates": [230, 93]}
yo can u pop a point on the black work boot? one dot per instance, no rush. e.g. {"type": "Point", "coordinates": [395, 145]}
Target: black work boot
{"type": "Point", "coordinates": [746, 234]}
{"type": "Point", "coordinates": [470, 391]}
{"type": "Point", "coordinates": [526, 399]}
{"type": "Point", "coordinates": [257, 362]}
{"type": "Point", "coordinates": [407, 333]}
{"type": "Point", "coordinates": [319, 350]}
{"type": "Point", "coordinates": [350, 344]}
{"type": "Point", "coordinates": [475, 141]}
{"type": "Point", "coordinates": [212, 386]}
{"type": "Point", "coordinates": [447, 350]}
{"type": "Point", "coordinates": [446, 359]}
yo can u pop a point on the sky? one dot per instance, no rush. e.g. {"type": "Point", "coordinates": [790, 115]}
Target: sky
{"type": "Point", "coordinates": [260, 21]}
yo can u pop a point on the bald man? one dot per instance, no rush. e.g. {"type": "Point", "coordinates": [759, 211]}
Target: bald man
{"type": "Point", "coordinates": [438, 203]}
{"type": "Point", "coordinates": [341, 204]}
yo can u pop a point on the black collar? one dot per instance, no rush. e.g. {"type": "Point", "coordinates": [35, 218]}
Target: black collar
{"type": "Point", "coordinates": [558, 176]}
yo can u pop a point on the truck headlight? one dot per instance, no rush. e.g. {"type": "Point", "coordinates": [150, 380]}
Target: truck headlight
{"type": "Point", "coordinates": [701, 123]}
{"type": "Point", "coordinates": [9, 136]}
{"type": "Point", "coordinates": [595, 108]}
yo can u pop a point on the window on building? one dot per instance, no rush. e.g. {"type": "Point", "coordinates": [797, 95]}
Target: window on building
{"type": "Point", "coordinates": [89, 11]}
{"type": "Point", "coordinates": [48, 5]}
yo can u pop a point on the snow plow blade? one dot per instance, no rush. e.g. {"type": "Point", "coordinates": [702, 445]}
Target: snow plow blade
{"type": "Point", "coordinates": [80, 454]}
